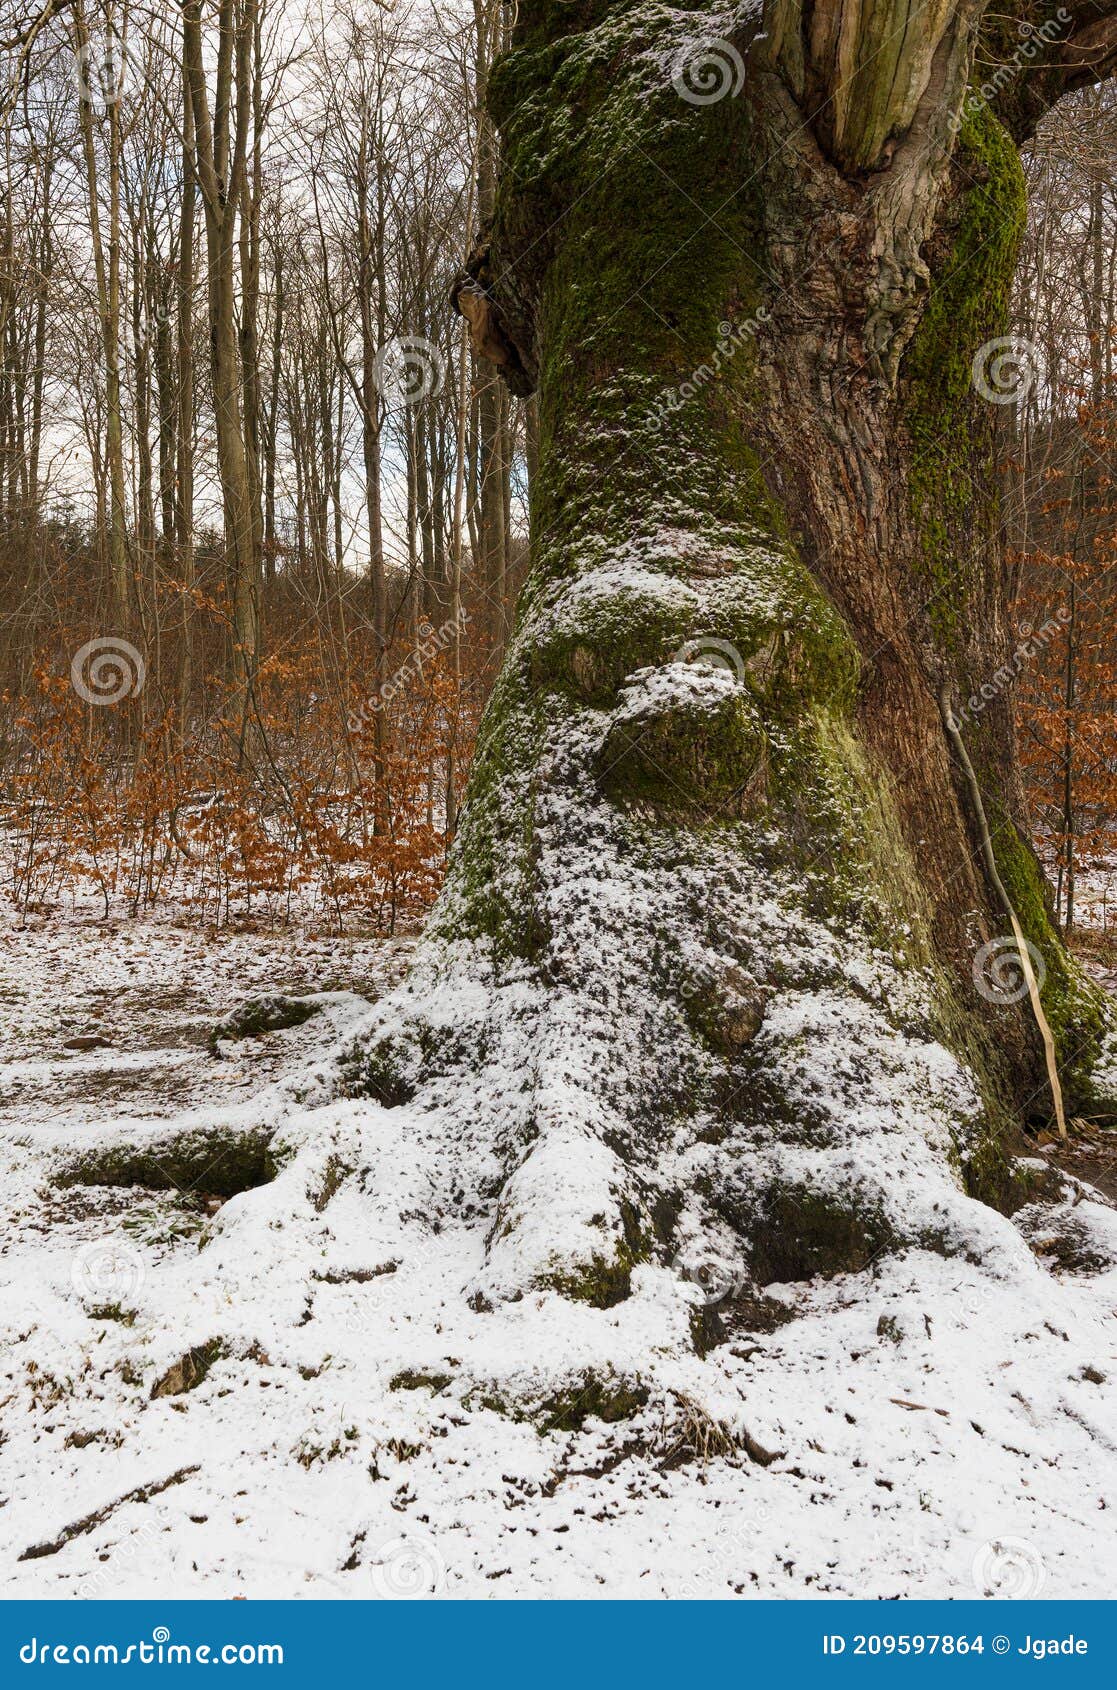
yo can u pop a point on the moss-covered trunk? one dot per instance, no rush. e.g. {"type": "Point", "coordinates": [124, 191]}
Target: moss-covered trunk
{"type": "Point", "coordinates": [714, 960]}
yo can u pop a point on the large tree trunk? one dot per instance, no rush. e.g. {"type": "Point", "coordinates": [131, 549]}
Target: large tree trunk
{"type": "Point", "coordinates": [717, 875]}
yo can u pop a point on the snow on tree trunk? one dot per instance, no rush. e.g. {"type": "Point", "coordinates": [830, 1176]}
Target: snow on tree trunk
{"type": "Point", "coordinates": [712, 979]}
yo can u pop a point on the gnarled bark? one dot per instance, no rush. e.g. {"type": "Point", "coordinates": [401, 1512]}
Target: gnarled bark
{"type": "Point", "coordinates": [685, 894]}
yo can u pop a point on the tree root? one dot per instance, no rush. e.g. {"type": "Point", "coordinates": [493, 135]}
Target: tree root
{"type": "Point", "coordinates": [223, 1160]}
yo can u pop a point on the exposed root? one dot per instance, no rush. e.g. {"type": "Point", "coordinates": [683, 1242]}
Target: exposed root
{"type": "Point", "coordinates": [258, 1016]}
{"type": "Point", "coordinates": [223, 1159]}
{"type": "Point", "coordinates": [188, 1372]}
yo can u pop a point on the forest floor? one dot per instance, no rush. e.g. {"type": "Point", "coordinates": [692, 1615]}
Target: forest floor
{"type": "Point", "coordinates": [926, 1431]}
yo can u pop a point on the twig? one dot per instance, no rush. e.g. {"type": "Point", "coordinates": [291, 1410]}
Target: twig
{"type": "Point", "coordinates": [142, 1493]}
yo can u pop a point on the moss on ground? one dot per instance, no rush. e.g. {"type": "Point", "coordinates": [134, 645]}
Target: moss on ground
{"type": "Point", "coordinates": [596, 1396]}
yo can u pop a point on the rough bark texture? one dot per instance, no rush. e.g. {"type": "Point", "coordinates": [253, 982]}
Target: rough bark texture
{"type": "Point", "coordinates": [872, 254]}
{"type": "Point", "coordinates": [741, 907]}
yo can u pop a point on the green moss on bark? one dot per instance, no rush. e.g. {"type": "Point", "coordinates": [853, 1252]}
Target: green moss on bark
{"type": "Point", "coordinates": [950, 425]}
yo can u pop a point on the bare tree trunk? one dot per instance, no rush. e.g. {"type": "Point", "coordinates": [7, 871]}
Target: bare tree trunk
{"type": "Point", "coordinates": [144, 309]}
{"type": "Point", "coordinates": [184, 479]}
{"type": "Point", "coordinates": [46, 272]}
{"type": "Point", "coordinates": [492, 468]}
{"type": "Point", "coordinates": [107, 272]}
{"type": "Point", "coordinates": [373, 315]}
{"type": "Point", "coordinates": [271, 422]}
{"type": "Point", "coordinates": [250, 118]}
{"type": "Point", "coordinates": [220, 160]}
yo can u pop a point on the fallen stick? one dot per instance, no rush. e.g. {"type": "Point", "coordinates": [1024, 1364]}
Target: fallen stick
{"type": "Point", "coordinates": [142, 1493]}
{"type": "Point", "coordinates": [923, 1407]}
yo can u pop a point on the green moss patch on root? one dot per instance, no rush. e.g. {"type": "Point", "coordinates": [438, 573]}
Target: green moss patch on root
{"type": "Point", "coordinates": [258, 1016]}
{"type": "Point", "coordinates": [694, 753]}
{"type": "Point", "coordinates": [595, 1396]}
{"type": "Point", "coordinates": [221, 1160]}
{"type": "Point", "coordinates": [601, 1283]}
{"type": "Point", "coordinates": [413, 1380]}
{"type": "Point", "coordinates": [805, 1234]}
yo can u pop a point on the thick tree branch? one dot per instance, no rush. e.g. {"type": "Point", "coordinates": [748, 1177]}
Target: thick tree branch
{"type": "Point", "coordinates": [860, 70]}
{"type": "Point", "coordinates": [1082, 52]}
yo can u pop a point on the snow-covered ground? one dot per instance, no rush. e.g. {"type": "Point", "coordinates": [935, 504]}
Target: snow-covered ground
{"type": "Point", "coordinates": [1095, 892]}
{"type": "Point", "coordinates": [287, 1392]}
